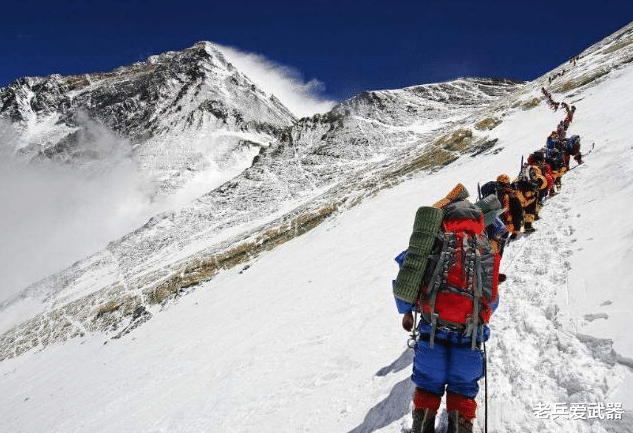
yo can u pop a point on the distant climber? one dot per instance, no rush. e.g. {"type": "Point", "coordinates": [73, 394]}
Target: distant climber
{"type": "Point", "coordinates": [571, 147]}
{"type": "Point", "coordinates": [538, 159]}
{"type": "Point", "coordinates": [528, 186]}
{"type": "Point", "coordinates": [554, 157]}
{"type": "Point", "coordinates": [548, 97]}
{"type": "Point", "coordinates": [554, 142]}
{"type": "Point", "coordinates": [512, 215]}
{"type": "Point", "coordinates": [570, 114]}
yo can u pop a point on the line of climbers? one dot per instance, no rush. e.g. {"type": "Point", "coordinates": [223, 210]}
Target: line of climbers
{"type": "Point", "coordinates": [555, 105]}
{"type": "Point", "coordinates": [572, 61]}
{"type": "Point", "coordinates": [540, 177]}
{"type": "Point", "coordinates": [556, 75]}
{"type": "Point", "coordinates": [449, 276]}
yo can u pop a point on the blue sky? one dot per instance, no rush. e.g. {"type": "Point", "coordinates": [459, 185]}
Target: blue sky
{"type": "Point", "coordinates": [347, 46]}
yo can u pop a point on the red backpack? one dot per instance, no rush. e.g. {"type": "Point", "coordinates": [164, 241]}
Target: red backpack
{"type": "Point", "coordinates": [460, 280]}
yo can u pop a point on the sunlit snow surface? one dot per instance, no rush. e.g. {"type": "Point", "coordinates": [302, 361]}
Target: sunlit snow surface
{"type": "Point", "coordinates": [307, 337]}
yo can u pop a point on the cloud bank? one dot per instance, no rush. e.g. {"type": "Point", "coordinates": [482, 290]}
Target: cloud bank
{"type": "Point", "coordinates": [54, 214]}
{"type": "Point", "coordinates": [285, 82]}
{"type": "Point", "coordinates": [57, 212]}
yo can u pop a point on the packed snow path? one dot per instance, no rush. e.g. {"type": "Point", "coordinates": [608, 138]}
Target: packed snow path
{"type": "Point", "coordinates": [537, 354]}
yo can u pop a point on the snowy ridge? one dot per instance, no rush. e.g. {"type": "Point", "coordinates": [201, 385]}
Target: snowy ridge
{"type": "Point", "coordinates": [312, 322]}
{"type": "Point", "coordinates": [170, 109]}
{"type": "Point", "coordinates": [432, 102]}
{"type": "Point", "coordinates": [595, 62]}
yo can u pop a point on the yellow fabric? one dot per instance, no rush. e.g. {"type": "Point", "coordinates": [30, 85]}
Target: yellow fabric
{"type": "Point", "coordinates": [503, 178]}
{"type": "Point", "coordinates": [521, 198]}
{"type": "Point", "coordinates": [542, 179]}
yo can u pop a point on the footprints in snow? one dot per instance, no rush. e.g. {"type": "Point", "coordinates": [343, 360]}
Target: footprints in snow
{"type": "Point", "coordinates": [593, 316]}
{"type": "Point", "coordinates": [532, 324]}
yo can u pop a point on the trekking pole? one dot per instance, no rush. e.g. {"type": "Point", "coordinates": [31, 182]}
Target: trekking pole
{"type": "Point", "coordinates": [485, 389]}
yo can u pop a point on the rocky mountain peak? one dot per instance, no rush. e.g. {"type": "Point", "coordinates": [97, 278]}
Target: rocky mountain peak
{"type": "Point", "coordinates": [173, 108]}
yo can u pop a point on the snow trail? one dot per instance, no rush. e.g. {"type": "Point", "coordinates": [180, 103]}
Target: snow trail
{"type": "Point", "coordinates": [536, 349]}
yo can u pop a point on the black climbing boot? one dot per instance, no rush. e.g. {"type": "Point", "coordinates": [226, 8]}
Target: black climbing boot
{"type": "Point", "coordinates": [423, 421]}
{"type": "Point", "coordinates": [458, 424]}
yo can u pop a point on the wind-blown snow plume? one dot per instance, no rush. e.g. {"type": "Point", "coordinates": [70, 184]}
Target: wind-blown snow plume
{"type": "Point", "coordinates": [285, 82]}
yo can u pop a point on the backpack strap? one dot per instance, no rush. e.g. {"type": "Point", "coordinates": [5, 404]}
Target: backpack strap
{"type": "Point", "coordinates": [478, 292]}
{"type": "Point", "coordinates": [435, 282]}
{"type": "Point", "coordinates": [475, 282]}
{"type": "Point", "coordinates": [466, 265]}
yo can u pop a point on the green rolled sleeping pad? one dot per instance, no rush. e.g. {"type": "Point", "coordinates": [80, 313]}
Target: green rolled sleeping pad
{"type": "Point", "coordinates": [428, 221]}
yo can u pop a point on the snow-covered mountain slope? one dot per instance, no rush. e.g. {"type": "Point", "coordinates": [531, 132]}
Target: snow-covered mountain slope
{"type": "Point", "coordinates": [399, 107]}
{"type": "Point", "coordinates": [185, 114]}
{"type": "Point", "coordinates": [180, 125]}
{"type": "Point", "coordinates": [99, 154]}
{"type": "Point", "coordinates": [319, 165]}
{"type": "Point", "coordinates": [305, 336]}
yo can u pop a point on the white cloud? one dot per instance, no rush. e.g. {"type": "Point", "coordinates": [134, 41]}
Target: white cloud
{"type": "Point", "coordinates": [285, 82]}
{"type": "Point", "coordinates": [54, 214]}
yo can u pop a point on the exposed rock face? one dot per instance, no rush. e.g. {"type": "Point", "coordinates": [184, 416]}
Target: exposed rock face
{"type": "Point", "coordinates": [181, 112]}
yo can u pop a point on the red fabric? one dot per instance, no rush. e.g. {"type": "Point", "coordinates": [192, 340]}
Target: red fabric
{"type": "Point", "coordinates": [425, 400]}
{"type": "Point", "coordinates": [467, 407]}
{"type": "Point", "coordinates": [455, 274]}
{"type": "Point", "coordinates": [547, 169]}
{"type": "Point", "coordinates": [550, 182]}
{"type": "Point", "coordinates": [464, 225]}
{"type": "Point", "coordinates": [453, 307]}
{"type": "Point", "coordinates": [458, 307]}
